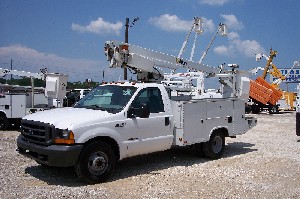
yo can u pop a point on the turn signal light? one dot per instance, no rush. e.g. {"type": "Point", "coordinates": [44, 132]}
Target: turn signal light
{"type": "Point", "coordinates": [68, 140]}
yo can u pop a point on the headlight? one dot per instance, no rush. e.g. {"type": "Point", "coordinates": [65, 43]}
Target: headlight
{"type": "Point", "coordinates": [64, 137]}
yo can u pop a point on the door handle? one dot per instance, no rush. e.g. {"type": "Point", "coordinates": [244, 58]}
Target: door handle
{"type": "Point", "coordinates": [167, 121]}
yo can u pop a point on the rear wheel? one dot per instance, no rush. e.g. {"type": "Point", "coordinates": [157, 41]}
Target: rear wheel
{"type": "Point", "coordinates": [96, 163]}
{"type": "Point", "coordinates": [214, 148]}
{"type": "Point", "coordinates": [3, 122]}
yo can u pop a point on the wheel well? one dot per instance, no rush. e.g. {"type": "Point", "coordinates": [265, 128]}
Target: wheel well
{"type": "Point", "coordinates": [222, 130]}
{"type": "Point", "coordinates": [108, 140]}
{"type": "Point", "coordinates": [2, 114]}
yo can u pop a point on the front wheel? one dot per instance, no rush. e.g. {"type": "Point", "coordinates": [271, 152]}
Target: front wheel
{"type": "Point", "coordinates": [96, 163]}
{"type": "Point", "coordinates": [214, 148]}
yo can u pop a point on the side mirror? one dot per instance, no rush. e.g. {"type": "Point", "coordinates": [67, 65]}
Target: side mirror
{"type": "Point", "coordinates": [142, 112]}
{"type": "Point", "coordinates": [130, 113]}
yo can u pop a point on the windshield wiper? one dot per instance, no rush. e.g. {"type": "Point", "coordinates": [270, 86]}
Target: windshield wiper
{"type": "Point", "coordinates": [95, 107]}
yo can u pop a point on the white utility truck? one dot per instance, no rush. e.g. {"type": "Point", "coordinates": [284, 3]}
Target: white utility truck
{"type": "Point", "coordinates": [124, 119]}
{"type": "Point", "coordinates": [119, 120]}
{"type": "Point", "coordinates": [16, 103]}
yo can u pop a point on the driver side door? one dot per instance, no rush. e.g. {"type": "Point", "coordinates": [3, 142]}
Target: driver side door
{"type": "Point", "coordinates": [153, 133]}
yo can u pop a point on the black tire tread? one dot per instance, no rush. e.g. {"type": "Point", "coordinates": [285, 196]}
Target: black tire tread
{"type": "Point", "coordinates": [83, 173]}
{"type": "Point", "coordinates": [4, 123]}
{"type": "Point", "coordinates": [207, 146]}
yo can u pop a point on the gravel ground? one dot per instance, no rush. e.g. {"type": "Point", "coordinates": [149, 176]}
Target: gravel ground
{"type": "Point", "coordinates": [263, 163]}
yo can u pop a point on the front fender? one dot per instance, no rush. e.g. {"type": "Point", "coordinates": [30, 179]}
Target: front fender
{"type": "Point", "coordinates": [85, 136]}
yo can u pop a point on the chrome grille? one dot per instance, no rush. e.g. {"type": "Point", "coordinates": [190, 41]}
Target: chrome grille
{"type": "Point", "coordinates": [37, 132]}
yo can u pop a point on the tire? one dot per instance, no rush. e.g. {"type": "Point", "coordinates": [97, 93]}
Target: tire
{"type": "Point", "coordinates": [297, 123]}
{"type": "Point", "coordinates": [247, 109]}
{"type": "Point", "coordinates": [214, 148]}
{"type": "Point", "coordinates": [96, 163]}
{"type": "Point", "coordinates": [275, 109]}
{"type": "Point", "coordinates": [255, 109]}
{"type": "Point", "coordinates": [3, 122]}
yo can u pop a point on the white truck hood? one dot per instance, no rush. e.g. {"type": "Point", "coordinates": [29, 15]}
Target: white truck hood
{"type": "Point", "coordinates": [64, 118]}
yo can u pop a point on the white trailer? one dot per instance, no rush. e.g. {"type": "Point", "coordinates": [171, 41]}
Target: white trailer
{"type": "Point", "coordinates": [16, 104]}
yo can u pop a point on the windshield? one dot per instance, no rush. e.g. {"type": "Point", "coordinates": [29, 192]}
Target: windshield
{"type": "Point", "coordinates": [110, 98]}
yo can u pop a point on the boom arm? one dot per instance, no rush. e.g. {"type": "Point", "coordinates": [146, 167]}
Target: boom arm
{"type": "Point", "coordinates": [198, 28]}
{"type": "Point", "coordinates": [223, 29]}
{"type": "Point", "coordinates": [148, 61]}
{"type": "Point", "coordinates": [4, 72]}
{"type": "Point", "coordinates": [275, 72]}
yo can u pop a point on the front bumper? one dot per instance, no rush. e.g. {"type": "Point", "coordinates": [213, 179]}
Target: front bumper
{"type": "Point", "coordinates": [53, 155]}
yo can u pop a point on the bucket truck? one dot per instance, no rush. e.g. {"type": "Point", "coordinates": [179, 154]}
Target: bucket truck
{"type": "Point", "coordinates": [267, 95]}
{"type": "Point", "coordinates": [15, 105]}
{"type": "Point", "coordinates": [118, 120]}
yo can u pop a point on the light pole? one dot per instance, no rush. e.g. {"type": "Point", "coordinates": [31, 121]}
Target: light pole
{"type": "Point", "coordinates": [126, 40]}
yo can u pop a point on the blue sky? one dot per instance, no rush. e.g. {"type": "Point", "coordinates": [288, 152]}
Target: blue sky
{"type": "Point", "coordinates": [68, 36]}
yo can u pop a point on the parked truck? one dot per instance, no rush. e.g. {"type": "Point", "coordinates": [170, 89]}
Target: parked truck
{"type": "Point", "coordinates": [16, 101]}
{"type": "Point", "coordinates": [124, 119]}
{"type": "Point", "coordinates": [118, 120]}
{"type": "Point", "coordinates": [74, 96]}
{"type": "Point", "coordinates": [265, 95]}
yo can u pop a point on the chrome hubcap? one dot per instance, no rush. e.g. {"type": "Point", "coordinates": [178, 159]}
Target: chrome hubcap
{"type": "Point", "coordinates": [98, 163]}
{"type": "Point", "coordinates": [217, 144]}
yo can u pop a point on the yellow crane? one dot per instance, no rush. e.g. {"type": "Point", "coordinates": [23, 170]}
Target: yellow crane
{"type": "Point", "coordinates": [274, 72]}
{"type": "Point", "coordinates": [259, 87]}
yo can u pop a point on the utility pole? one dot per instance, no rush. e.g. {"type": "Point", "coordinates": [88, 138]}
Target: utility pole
{"type": "Point", "coordinates": [11, 61]}
{"type": "Point", "coordinates": [126, 41]}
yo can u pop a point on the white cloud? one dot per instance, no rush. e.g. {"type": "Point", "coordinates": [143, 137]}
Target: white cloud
{"type": "Point", "coordinates": [100, 27]}
{"type": "Point", "coordinates": [208, 25]}
{"type": "Point", "coordinates": [236, 46]}
{"type": "Point", "coordinates": [31, 60]}
{"type": "Point", "coordinates": [248, 47]}
{"type": "Point", "coordinates": [173, 23]}
{"type": "Point", "coordinates": [233, 36]}
{"type": "Point", "coordinates": [232, 22]}
{"type": "Point", "coordinates": [214, 2]}
{"type": "Point", "coordinates": [222, 50]}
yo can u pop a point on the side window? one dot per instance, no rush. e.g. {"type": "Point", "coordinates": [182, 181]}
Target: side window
{"type": "Point", "coordinates": [152, 97]}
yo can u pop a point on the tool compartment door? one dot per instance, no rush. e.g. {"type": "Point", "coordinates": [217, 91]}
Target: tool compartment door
{"type": "Point", "coordinates": [18, 105]}
{"type": "Point", "coordinates": [240, 122]}
{"type": "Point", "coordinates": [194, 122]}
{"type": "Point", "coordinates": [203, 116]}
